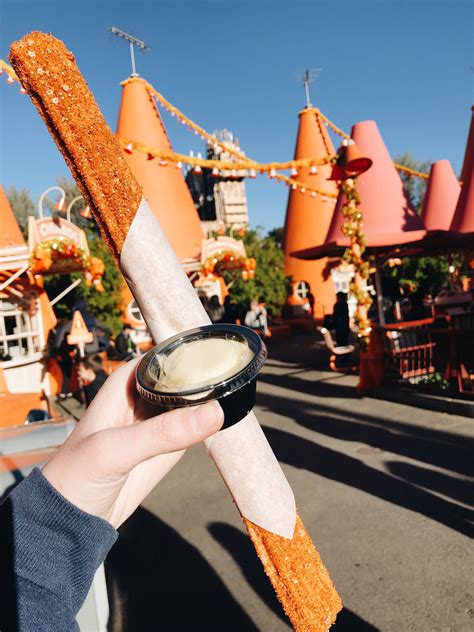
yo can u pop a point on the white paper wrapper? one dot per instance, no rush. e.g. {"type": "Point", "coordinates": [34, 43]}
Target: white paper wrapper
{"type": "Point", "coordinates": [170, 305]}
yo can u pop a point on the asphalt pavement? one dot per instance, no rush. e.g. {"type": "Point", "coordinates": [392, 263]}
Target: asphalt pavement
{"type": "Point", "coordinates": [384, 490]}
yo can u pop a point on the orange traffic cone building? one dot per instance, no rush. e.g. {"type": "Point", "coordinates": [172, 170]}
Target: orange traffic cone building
{"type": "Point", "coordinates": [463, 220]}
{"type": "Point", "coordinates": [163, 183]}
{"type": "Point", "coordinates": [441, 196]}
{"type": "Point", "coordinates": [308, 218]}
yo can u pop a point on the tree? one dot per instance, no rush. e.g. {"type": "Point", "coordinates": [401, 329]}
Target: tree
{"type": "Point", "coordinates": [22, 206]}
{"type": "Point", "coordinates": [414, 187]}
{"type": "Point", "coordinates": [270, 284]}
{"type": "Point", "coordinates": [428, 274]}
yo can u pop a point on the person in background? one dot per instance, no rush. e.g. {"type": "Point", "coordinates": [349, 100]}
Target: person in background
{"type": "Point", "coordinates": [126, 348]}
{"type": "Point", "coordinates": [91, 376]}
{"type": "Point", "coordinates": [417, 309]}
{"type": "Point", "coordinates": [231, 310]}
{"type": "Point", "coordinates": [256, 318]}
{"type": "Point", "coordinates": [215, 310]}
{"type": "Point", "coordinates": [340, 317]}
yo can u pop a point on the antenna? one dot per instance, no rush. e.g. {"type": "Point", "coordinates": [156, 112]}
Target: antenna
{"type": "Point", "coordinates": [133, 41]}
{"type": "Point", "coordinates": [307, 77]}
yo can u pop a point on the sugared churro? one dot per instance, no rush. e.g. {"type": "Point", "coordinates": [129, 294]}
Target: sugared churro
{"type": "Point", "coordinates": [48, 72]}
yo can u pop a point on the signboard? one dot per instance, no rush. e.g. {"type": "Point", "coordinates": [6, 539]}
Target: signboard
{"type": "Point", "coordinates": [216, 246]}
{"type": "Point", "coordinates": [56, 246]}
{"type": "Point", "coordinates": [79, 335]}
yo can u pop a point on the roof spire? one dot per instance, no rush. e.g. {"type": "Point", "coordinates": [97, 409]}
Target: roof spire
{"type": "Point", "coordinates": [307, 77]}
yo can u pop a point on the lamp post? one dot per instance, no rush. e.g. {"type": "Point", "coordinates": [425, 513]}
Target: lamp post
{"type": "Point", "coordinates": [60, 204]}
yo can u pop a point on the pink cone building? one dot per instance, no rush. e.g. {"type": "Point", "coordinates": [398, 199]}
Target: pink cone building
{"type": "Point", "coordinates": [441, 197]}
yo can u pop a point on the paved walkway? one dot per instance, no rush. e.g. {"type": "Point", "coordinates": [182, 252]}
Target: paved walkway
{"type": "Point", "coordinates": [382, 488]}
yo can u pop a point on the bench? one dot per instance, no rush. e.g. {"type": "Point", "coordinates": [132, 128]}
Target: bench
{"type": "Point", "coordinates": [339, 360]}
{"type": "Point", "coordinates": [410, 349]}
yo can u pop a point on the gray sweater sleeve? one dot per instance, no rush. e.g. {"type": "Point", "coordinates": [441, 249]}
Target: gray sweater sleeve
{"type": "Point", "coordinates": [49, 552]}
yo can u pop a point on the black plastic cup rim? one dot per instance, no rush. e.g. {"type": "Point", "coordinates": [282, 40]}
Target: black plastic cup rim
{"type": "Point", "coordinates": [147, 372]}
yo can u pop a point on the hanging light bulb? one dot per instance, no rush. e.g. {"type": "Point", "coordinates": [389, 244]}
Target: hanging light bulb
{"type": "Point", "coordinates": [172, 113]}
{"type": "Point", "coordinates": [252, 173]}
{"type": "Point", "coordinates": [179, 165]}
{"type": "Point", "coordinates": [10, 80]}
{"type": "Point", "coordinates": [197, 168]}
{"type": "Point", "coordinates": [128, 148]}
{"type": "Point", "coordinates": [163, 163]}
{"type": "Point", "coordinates": [313, 194]}
{"type": "Point", "coordinates": [294, 171]}
{"type": "Point", "coordinates": [313, 170]}
{"type": "Point", "coordinates": [215, 172]}
{"type": "Point", "coordinates": [272, 173]}
{"type": "Point", "coordinates": [60, 204]}
{"type": "Point", "coordinates": [22, 91]}
{"type": "Point", "coordinates": [86, 212]}
{"type": "Point", "coordinates": [303, 190]}
{"type": "Point", "coordinates": [294, 187]}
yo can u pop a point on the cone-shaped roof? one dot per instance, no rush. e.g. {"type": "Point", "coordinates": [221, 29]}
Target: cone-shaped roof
{"type": "Point", "coordinates": [10, 233]}
{"type": "Point", "coordinates": [163, 186]}
{"type": "Point", "coordinates": [441, 196]}
{"type": "Point", "coordinates": [308, 218]}
{"type": "Point", "coordinates": [463, 220]}
{"type": "Point", "coordinates": [389, 218]}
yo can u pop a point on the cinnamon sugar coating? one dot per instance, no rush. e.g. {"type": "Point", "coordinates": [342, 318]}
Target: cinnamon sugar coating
{"type": "Point", "coordinates": [299, 577]}
{"type": "Point", "coordinates": [48, 72]}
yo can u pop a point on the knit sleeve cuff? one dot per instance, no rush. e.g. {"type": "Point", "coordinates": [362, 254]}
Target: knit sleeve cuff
{"type": "Point", "coordinates": [56, 545]}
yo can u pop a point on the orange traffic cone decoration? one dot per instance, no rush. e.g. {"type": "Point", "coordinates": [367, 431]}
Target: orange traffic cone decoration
{"type": "Point", "coordinates": [163, 185]}
{"type": "Point", "coordinates": [79, 335]}
{"type": "Point", "coordinates": [308, 218]}
{"type": "Point", "coordinates": [350, 162]}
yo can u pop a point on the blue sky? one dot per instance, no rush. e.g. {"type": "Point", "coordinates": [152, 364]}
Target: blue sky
{"type": "Point", "coordinates": [234, 64]}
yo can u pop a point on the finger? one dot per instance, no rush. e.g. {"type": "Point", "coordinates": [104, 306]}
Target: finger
{"type": "Point", "coordinates": [121, 449]}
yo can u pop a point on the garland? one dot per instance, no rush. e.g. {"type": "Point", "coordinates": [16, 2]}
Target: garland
{"type": "Point", "coordinates": [352, 228]}
{"type": "Point", "coordinates": [57, 249]}
{"type": "Point", "coordinates": [46, 253]}
{"type": "Point", "coordinates": [231, 260]}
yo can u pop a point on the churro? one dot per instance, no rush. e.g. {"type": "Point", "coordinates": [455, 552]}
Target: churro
{"type": "Point", "coordinates": [48, 72]}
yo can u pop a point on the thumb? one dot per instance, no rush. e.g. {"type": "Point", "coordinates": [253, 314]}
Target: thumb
{"type": "Point", "coordinates": [170, 432]}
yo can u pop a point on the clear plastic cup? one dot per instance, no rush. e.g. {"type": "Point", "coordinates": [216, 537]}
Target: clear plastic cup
{"type": "Point", "coordinates": [235, 392]}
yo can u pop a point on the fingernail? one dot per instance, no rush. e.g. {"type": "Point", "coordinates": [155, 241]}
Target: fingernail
{"type": "Point", "coordinates": [206, 417]}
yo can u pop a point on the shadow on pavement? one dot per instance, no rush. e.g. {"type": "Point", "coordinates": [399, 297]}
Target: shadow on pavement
{"type": "Point", "coordinates": [340, 467]}
{"type": "Point", "coordinates": [159, 581]}
{"type": "Point", "coordinates": [240, 547]}
{"type": "Point", "coordinates": [436, 447]}
{"type": "Point", "coordinates": [349, 621]}
{"type": "Point", "coordinates": [458, 489]}
{"type": "Point", "coordinates": [320, 388]}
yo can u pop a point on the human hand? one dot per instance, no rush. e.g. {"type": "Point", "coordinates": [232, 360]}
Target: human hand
{"type": "Point", "coordinates": [121, 449]}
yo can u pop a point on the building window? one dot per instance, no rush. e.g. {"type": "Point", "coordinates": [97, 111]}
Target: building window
{"type": "Point", "coordinates": [19, 332]}
{"type": "Point", "coordinates": [135, 312]}
{"type": "Point", "coordinates": [302, 289]}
